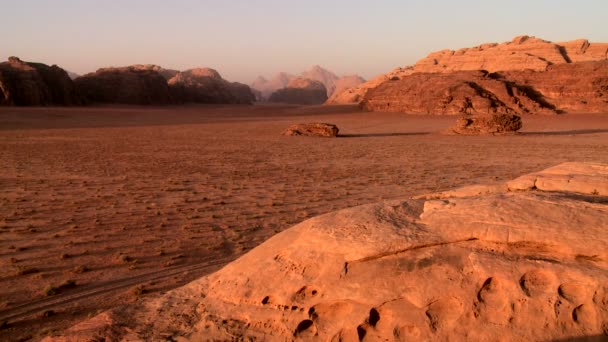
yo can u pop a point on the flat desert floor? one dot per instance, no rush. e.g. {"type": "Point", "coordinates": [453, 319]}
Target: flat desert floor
{"type": "Point", "coordinates": [103, 206]}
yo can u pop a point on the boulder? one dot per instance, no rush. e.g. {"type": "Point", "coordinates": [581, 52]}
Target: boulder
{"type": "Point", "coordinates": [137, 85]}
{"type": "Point", "coordinates": [493, 124]}
{"type": "Point", "coordinates": [463, 265]}
{"type": "Point", "coordinates": [312, 129]}
{"type": "Point", "coordinates": [301, 91]}
{"type": "Point", "coordinates": [205, 85]}
{"type": "Point", "coordinates": [35, 84]}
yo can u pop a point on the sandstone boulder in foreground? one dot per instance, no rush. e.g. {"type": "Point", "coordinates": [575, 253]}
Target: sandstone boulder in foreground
{"type": "Point", "coordinates": [312, 130]}
{"type": "Point", "coordinates": [480, 263]}
{"type": "Point", "coordinates": [487, 124]}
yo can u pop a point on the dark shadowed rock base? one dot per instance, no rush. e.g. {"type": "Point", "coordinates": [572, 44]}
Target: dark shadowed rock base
{"type": "Point", "coordinates": [488, 124]}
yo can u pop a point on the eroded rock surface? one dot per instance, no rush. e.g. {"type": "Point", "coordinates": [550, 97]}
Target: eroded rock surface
{"type": "Point", "coordinates": [35, 84]}
{"type": "Point", "coordinates": [578, 87]}
{"type": "Point", "coordinates": [487, 124]}
{"type": "Point", "coordinates": [477, 263]}
{"type": "Point", "coordinates": [520, 54]}
{"type": "Point", "coordinates": [312, 130]}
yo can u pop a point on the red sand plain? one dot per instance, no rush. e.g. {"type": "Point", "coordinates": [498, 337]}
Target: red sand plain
{"type": "Point", "coordinates": [102, 206]}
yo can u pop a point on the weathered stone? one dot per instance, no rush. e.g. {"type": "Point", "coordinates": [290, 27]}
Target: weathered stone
{"type": "Point", "coordinates": [522, 53]}
{"type": "Point", "coordinates": [312, 129]}
{"type": "Point", "coordinates": [578, 87]}
{"type": "Point", "coordinates": [488, 124]}
{"type": "Point", "coordinates": [472, 266]}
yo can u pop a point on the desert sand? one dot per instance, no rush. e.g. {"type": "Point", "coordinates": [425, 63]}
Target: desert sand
{"type": "Point", "coordinates": [479, 263]}
{"type": "Point", "coordinates": [105, 206]}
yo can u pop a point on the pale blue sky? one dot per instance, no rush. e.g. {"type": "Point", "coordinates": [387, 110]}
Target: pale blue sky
{"type": "Point", "coordinates": [246, 38]}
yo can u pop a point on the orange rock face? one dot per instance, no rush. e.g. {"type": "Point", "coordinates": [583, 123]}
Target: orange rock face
{"type": "Point", "coordinates": [35, 84]}
{"type": "Point", "coordinates": [577, 87]}
{"type": "Point", "coordinates": [522, 53]}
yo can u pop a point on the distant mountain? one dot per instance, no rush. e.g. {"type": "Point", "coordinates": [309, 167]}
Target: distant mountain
{"type": "Point", "coordinates": [267, 87]}
{"type": "Point", "coordinates": [330, 80]}
{"type": "Point", "coordinates": [72, 75]}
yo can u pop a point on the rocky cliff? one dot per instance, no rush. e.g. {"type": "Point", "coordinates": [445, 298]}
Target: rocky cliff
{"type": "Point", "coordinates": [522, 53]}
{"type": "Point", "coordinates": [572, 87]}
{"type": "Point", "coordinates": [301, 91]}
{"type": "Point", "coordinates": [137, 85]}
{"type": "Point", "coordinates": [205, 85]}
{"type": "Point", "coordinates": [35, 84]}
{"type": "Point", "coordinates": [153, 85]}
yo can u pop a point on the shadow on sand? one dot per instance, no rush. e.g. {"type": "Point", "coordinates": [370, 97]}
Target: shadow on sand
{"type": "Point", "coordinates": [371, 135]}
{"type": "Point", "coordinates": [572, 132]}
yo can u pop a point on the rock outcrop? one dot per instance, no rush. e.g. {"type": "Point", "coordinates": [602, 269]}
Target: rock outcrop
{"type": "Point", "coordinates": [494, 124]}
{"type": "Point", "coordinates": [205, 85]}
{"type": "Point", "coordinates": [35, 84]}
{"type": "Point", "coordinates": [312, 130]}
{"type": "Point", "coordinates": [577, 87]}
{"type": "Point", "coordinates": [152, 85]}
{"type": "Point", "coordinates": [137, 85]}
{"type": "Point", "coordinates": [301, 91]}
{"type": "Point", "coordinates": [522, 53]}
{"type": "Point", "coordinates": [522, 261]}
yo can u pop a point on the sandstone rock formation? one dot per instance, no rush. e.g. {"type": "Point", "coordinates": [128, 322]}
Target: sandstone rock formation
{"type": "Point", "coordinates": [522, 261]}
{"type": "Point", "coordinates": [522, 53]}
{"type": "Point", "coordinates": [35, 84]}
{"type": "Point", "coordinates": [153, 85]}
{"type": "Point", "coordinates": [301, 91]}
{"type": "Point", "coordinates": [313, 130]}
{"type": "Point", "coordinates": [493, 124]}
{"type": "Point", "coordinates": [577, 87]}
{"type": "Point", "coordinates": [205, 85]}
{"type": "Point", "coordinates": [137, 84]}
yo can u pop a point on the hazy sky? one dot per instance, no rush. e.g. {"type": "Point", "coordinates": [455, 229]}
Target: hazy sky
{"type": "Point", "coordinates": [246, 38]}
